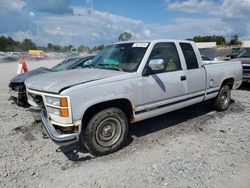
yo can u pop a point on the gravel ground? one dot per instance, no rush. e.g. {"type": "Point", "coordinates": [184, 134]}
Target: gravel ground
{"type": "Point", "coordinates": [192, 147]}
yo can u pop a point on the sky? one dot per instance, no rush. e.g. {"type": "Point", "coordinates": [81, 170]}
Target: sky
{"type": "Point", "coordinates": [96, 22]}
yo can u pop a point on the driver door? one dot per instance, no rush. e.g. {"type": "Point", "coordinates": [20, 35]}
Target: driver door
{"type": "Point", "coordinates": [166, 86]}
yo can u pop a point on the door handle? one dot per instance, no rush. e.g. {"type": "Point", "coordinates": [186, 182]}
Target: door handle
{"type": "Point", "coordinates": [183, 78]}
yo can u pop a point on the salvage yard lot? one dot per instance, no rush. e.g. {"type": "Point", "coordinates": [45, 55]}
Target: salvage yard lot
{"type": "Point", "coordinates": [195, 147]}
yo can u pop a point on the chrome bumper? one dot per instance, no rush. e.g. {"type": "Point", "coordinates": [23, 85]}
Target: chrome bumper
{"type": "Point", "coordinates": [60, 139]}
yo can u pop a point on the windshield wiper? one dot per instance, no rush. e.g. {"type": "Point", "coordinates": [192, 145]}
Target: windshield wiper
{"type": "Point", "coordinates": [90, 66]}
{"type": "Point", "coordinates": [118, 69]}
{"type": "Point", "coordinates": [108, 66]}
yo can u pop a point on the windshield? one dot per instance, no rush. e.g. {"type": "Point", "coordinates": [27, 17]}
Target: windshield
{"type": "Point", "coordinates": [64, 65]}
{"type": "Point", "coordinates": [123, 57]}
{"type": "Point", "coordinates": [245, 53]}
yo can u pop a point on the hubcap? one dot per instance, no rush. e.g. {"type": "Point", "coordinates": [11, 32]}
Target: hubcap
{"type": "Point", "coordinates": [108, 132]}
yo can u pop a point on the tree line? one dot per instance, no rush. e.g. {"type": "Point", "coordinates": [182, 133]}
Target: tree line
{"type": "Point", "coordinates": [7, 44]}
{"type": "Point", "coordinates": [220, 40]}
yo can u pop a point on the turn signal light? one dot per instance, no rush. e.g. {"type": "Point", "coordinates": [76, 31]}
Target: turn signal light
{"type": "Point", "coordinates": [63, 102]}
{"type": "Point", "coordinates": [64, 112]}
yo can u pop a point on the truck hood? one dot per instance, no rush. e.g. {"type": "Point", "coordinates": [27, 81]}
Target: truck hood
{"type": "Point", "coordinates": [55, 82]}
{"type": "Point", "coordinates": [22, 77]}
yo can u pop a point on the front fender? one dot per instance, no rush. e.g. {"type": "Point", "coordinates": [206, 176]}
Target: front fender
{"type": "Point", "coordinates": [83, 98]}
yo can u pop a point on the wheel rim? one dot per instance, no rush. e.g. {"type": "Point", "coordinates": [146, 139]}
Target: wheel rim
{"type": "Point", "coordinates": [108, 132]}
{"type": "Point", "coordinates": [224, 99]}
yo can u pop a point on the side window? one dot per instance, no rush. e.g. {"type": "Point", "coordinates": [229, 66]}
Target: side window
{"type": "Point", "coordinates": [168, 52]}
{"type": "Point", "coordinates": [189, 55]}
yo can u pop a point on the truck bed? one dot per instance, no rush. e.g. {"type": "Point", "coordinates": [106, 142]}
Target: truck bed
{"type": "Point", "coordinates": [218, 70]}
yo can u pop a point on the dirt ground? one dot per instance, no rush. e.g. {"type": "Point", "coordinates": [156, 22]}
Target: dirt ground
{"type": "Point", "coordinates": [192, 147]}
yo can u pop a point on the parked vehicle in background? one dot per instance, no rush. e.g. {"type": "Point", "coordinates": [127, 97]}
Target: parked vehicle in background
{"type": "Point", "coordinates": [128, 82]}
{"type": "Point", "coordinates": [37, 54]}
{"type": "Point", "coordinates": [8, 56]}
{"type": "Point", "coordinates": [208, 54]}
{"type": "Point", "coordinates": [23, 55]}
{"type": "Point", "coordinates": [17, 88]}
{"type": "Point", "coordinates": [235, 52]}
{"type": "Point", "coordinates": [244, 58]}
{"type": "Point", "coordinates": [205, 58]}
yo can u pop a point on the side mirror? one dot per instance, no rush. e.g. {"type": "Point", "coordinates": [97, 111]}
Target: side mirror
{"type": "Point", "coordinates": [156, 65]}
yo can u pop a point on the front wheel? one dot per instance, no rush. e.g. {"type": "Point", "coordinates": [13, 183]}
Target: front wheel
{"type": "Point", "coordinates": [222, 100]}
{"type": "Point", "coordinates": [106, 132]}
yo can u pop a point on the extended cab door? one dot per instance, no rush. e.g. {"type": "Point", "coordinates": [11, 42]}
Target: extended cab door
{"type": "Point", "coordinates": [195, 73]}
{"type": "Point", "coordinates": [159, 89]}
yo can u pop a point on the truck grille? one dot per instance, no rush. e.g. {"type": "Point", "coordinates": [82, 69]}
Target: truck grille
{"type": "Point", "coordinates": [246, 70]}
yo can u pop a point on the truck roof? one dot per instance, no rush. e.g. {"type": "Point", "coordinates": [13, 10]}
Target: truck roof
{"type": "Point", "coordinates": [154, 40]}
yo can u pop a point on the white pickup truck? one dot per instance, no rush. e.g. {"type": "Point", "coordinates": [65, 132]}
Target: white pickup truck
{"type": "Point", "coordinates": [127, 82]}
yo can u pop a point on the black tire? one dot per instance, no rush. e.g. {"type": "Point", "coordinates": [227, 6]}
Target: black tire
{"type": "Point", "coordinates": [106, 132]}
{"type": "Point", "coordinates": [221, 102]}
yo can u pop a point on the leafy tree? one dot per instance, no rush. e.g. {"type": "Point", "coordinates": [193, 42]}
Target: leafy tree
{"type": "Point", "coordinates": [27, 44]}
{"type": "Point", "coordinates": [3, 43]}
{"type": "Point", "coordinates": [83, 48]}
{"type": "Point", "coordinates": [235, 40]}
{"type": "Point", "coordinates": [58, 48]}
{"type": "Point", "coordinates": [67, 48]}
{"type": "Point", "coordinates": [50, 47]}
{"type": "Point", "coordinates": [220, 40]}
{"type": "Point", "coordinates": [98, 48]}
{"type": "Point", "coordinates": [124, 36]}
{"type": "Point", "coordinates": [8, 44]}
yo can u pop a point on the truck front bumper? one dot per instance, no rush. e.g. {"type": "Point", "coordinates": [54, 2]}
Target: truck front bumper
{"type": "Point", "coordinates": [60, 139]}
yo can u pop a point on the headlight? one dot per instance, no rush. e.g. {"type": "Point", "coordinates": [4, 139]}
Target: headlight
{"type": "Point", "coordinates": [55, 111]}
{"type": "Point", "coordinates": [53, 101]}
{"type": "Point", "coordinates": [57, 106]}
{"type": "Point", "coordinates": [60, 102]}
{"type": "Point", "coordinates": [63, 112]}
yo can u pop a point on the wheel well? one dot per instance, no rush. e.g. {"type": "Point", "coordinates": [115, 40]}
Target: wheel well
{"type": "Point", "coordinates": [124, 104]}
{"type": "Point", "coordinates": [229, 82]}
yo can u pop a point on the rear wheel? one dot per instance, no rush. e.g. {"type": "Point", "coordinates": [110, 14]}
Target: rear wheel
{"type": "Point", "coordinates": [106, 132]}
{"type": "Point", "coordinates": [222, 100]}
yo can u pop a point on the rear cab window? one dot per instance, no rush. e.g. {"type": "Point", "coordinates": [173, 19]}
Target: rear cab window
{"type": "Point", "coordinates": [189, 55]}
